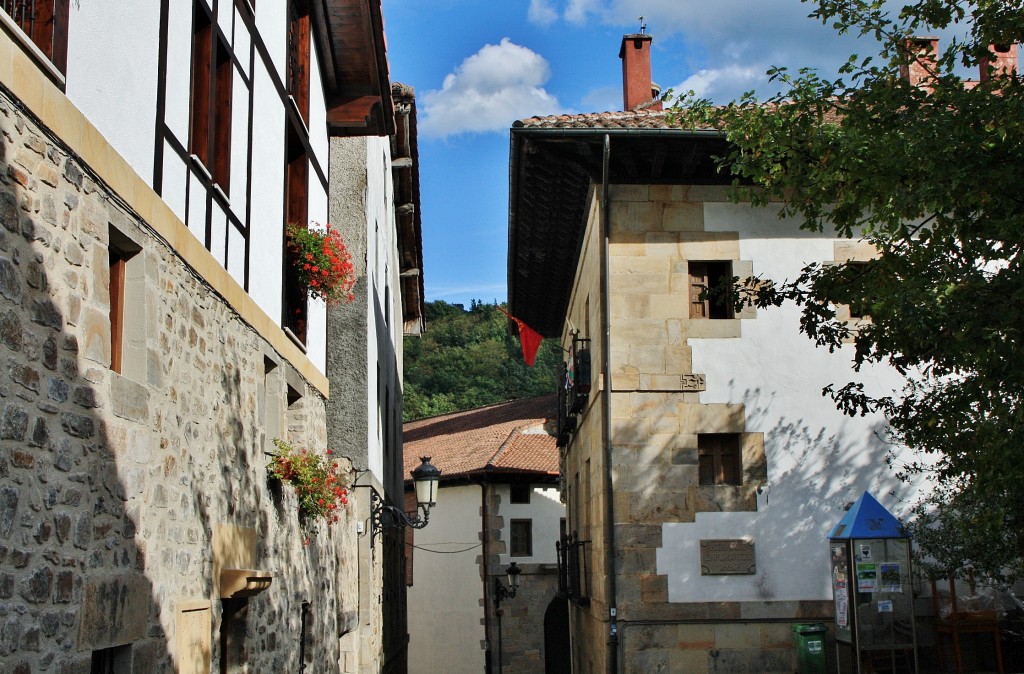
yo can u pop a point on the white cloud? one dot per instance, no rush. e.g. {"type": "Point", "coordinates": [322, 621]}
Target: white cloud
{"type": "Point", "coordinates": [722, 84]}
{"type": "Point", "coordinates": [602, 99]}
{"type": "Point", "coordinates": [542, 12]}
{"type": "Point", "coordinates": [488, 91]}
{"type": "Point", "coordinates": [577, 11]}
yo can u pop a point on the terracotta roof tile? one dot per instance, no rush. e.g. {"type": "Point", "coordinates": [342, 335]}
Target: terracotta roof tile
{"type": "Point", "coordinates": [634, 119]}
{"type": "Point", "coordinates": [511, 436]}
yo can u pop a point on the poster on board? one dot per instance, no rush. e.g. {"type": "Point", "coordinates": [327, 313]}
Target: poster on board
{"type": "Point", "coordinates": [890, 576]}
{"type": "Point", "coordinates": [867, 577]}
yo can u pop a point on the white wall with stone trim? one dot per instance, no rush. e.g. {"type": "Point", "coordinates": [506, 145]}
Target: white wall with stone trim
{"type": "Point", "coordinates": [818, 459]}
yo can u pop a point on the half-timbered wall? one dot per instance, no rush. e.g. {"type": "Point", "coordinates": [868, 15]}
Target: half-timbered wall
{"type": "Point", "coordinates": [140, 98]}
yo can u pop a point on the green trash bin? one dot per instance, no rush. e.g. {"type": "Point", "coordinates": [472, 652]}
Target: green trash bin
{"type": "Point", "coordinates": [810, 648]}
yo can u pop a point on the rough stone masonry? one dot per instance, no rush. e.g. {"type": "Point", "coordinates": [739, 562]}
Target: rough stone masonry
{"type": "Point", "coordinates": [112, 486]}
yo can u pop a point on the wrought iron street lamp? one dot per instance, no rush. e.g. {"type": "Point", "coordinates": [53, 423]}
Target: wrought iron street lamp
{"type": "Point", "coordinates": [500, 591]}
{"type": "Point", "coordinates": [425, 480]}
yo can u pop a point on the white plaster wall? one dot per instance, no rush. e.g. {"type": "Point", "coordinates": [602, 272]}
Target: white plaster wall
{"type": "Point", "coordinates": [179, 71]}
{"type": "Point", "coordinates": [317, 111]}
{"type": "Point", "coordinates": [266, 236]}
{"type": "Point", "coordinates": [445, 612]}
{"type": "Point", "coordinates": [818, 459]}
{"type": "Point", "coordinates": [545, 510]}
{"type": "Point", "coordinates": [113, 49]}
{"type": "Point", "coordinates": [381, 272]}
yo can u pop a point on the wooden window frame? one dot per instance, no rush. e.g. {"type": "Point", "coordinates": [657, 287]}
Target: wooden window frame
{"type": "Point", "coordinates": [295, 305]}
{"type": "Point", "coordinates": [47, 29]}
{"type": "Point", "coordinates": [518, 544]}
{"type": "Point", "coordinates": [298, 67]}
{"type": "Point", "coordinates": [211, 96]}
{"type": "Point", "coordinates": [719, 459]}
{"type": "Point", "coordinates": [707, 275]}
{"type": "Point", "coordinates": [120, 250]}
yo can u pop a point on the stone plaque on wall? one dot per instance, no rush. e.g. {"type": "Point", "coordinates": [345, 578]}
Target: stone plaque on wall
{"type": "Point", "coordinates": [727, 557]}
{"type": "Point", "coordinates": [693, 383]}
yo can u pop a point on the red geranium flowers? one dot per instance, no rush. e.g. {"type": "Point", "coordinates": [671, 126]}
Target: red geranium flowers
{"type": "Point", "coordinates": [317, 480]}
{"type": "Point", "coordinates": [322, 263]}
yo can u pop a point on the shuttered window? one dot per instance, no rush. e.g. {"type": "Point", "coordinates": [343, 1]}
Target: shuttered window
{"type": "Point", "coordinates": [521, 538]}
{"type": "Point", "coordinates": [718, 459]}
{"type": "Point", "coordinates": [45, 22]}
{"type": "Point", "coordinates": [709, 294]}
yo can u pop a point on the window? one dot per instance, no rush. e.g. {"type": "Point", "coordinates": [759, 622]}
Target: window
{"type": "Point", "coordinates": [298, 56]}
{"type": "Point", "coordinates": [295, 212]}
{"type": "Point", "coordinates": [111, 660]}
{"type": "Point", "coordinates": [521, 538]}
{"type": "Point", "coordinates": [120, 250]}
{"type": "Point", "coordinates": [853, 271]}
{"type": "Point", "coordinates": [45, 22]}
{"type": "Point", "coordinates": [709, 293]}
{"type": "Point", "coordinates": [519, 493]}
{"type": "Point", "coordinates": [210, 124]}
{"type": "Point", "coordinates": [718, 459]}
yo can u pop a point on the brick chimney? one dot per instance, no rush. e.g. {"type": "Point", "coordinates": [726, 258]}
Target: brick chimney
{"type": "Point", "coordinates": [1003, 61]}
{"type": "Point", "coordinates": [637, 88]}
{"type": "Point", "coordinates": [925, 51]}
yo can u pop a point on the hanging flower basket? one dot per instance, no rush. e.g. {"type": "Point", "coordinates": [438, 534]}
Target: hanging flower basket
{"type": "Point", "coordinates": [318, 482]}
{"type": "Point", "coordinates": [321, 263]}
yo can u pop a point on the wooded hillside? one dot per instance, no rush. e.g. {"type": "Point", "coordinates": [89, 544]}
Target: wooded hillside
{"type": "Point", "coordinates": [471, 358]}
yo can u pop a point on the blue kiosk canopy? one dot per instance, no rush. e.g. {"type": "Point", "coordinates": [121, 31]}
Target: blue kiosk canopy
{"type": "Point", "coordinates": [867, 518]}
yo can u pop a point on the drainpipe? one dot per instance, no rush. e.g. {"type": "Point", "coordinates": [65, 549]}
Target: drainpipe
{"type": "Point", "coordinates": [485, 552]}
{"type": "Point", "coordinates": [611, 655]}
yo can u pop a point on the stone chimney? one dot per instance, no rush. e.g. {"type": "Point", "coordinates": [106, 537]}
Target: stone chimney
{"type": "Point", "coordinates": [637, 87]}
{"type": "Point", "coordinates": [1003, 61]}
{"type": "Point", "coordinates": [925, 51]}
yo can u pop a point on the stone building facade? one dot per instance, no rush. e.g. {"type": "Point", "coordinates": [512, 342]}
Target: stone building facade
{"type": "Point", "coordinates": [703, 468]}
{"type": "Point", "coordinates": [498, 503]}
{"type": "Point", "coordinates": [126, 494]}
{"type": "Point", "coordinates": [149, 354]}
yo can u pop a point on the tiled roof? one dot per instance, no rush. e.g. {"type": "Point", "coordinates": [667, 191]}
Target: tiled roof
{"type": "Point", "coordinates": [508, 437]}
{"type": "Point", "coordinates": [634, 119]}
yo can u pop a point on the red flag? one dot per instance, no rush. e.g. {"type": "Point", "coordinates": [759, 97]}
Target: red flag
{"type": "Point", "coordinates": [528, 338]}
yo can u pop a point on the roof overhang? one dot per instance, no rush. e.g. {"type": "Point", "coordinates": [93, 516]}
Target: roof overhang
{"type": "Point", "coordinates": [552, 175]}
{"type": "Point", "coordinates": [349, 35]}
{"type": "Point", "coordinates": [405, 170]}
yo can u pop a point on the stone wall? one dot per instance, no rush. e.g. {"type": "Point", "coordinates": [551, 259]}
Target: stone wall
{"type": "Point", "coordinates": [115, 486]}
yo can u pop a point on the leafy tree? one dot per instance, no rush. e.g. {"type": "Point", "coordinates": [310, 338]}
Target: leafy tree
{"type": "Point", "coordinates": [468, 359]}
{"type": "Point", "coordinates": [932, 176]}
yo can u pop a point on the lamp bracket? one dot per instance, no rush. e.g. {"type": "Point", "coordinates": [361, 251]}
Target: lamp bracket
{"type": "Point", "coordinates": [501, 592]}
{"type": "Point", "coordinates": [384, 515]}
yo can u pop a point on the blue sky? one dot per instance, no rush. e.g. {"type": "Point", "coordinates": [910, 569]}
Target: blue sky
{"type": "Point", "coordinates": [478, 65]}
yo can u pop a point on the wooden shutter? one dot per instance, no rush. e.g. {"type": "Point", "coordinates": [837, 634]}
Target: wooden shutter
{"type": "Point", "coordinates": [698, 283]}
{"type": "Point", "coordinates": [718, 459]}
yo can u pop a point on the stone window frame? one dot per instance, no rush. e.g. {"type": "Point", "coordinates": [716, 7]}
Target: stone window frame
{"type": "Point", "coordinates": [705, 328]}
{"type": "Point", "coordinates": [855, 252]}
{"type": "Point", "coordinates": [126, 288]}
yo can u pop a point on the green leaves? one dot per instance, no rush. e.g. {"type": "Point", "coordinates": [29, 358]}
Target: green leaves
{"type": "Point", "coordinates": [931, 176]}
